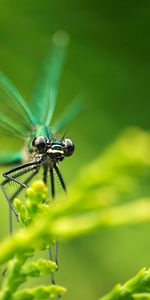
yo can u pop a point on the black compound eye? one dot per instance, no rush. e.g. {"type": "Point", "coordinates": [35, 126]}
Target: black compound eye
{"type": "Point", "coordinates": [69, 147]}
{"type": "Point", "coordinates": [39, 143]}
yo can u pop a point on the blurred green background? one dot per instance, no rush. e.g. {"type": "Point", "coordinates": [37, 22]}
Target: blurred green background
{"type": "Point", "coordinates": [109, 63]}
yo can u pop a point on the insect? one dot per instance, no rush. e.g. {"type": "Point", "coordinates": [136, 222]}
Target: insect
{"type": "Point", "coordinates": [44, 149]}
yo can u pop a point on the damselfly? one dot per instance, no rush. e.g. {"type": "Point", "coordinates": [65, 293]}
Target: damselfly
{"type": "Point", "coordinates": [44, 149]}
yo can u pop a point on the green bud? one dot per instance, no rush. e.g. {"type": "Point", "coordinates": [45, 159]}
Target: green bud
{"type": "Point", "coordinates": [41, 267]}
{"type": "Point", "coordinates": [20, 207]}
{"type": "Point", "coordinates": [37, 192]}
{"type": "Point", "coordinates": [40, 292]}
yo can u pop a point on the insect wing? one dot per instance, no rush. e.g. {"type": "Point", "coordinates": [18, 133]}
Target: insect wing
{"type": "Point", "coordinates": [69, 115]}
{"type": "Point", "coordinates": [44, 99]}
{"type": "Point", "coordinates": [13, 105]}
{"type": "Point", "coordinates": [11, 157]}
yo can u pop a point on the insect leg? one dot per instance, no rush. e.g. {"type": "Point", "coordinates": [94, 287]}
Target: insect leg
{"type": "Point", "coordinates": [17, 192]}
{"type": "Point", "coordinates": [56, 253]}
{"type": "Point", "coordinates": [35, 169]}
{"type": "Point", "coordinates": [20, 170]}
{"type": "Point", "coordinates": [10, 200]}
{"type": "Point", "coordinates": [8, 176]}
{"type": "Point", "coordinates": [52, 183]}
{"type": "Point", "coordinates": [53, 196]}
{"type": "Point", "coordinates": [64, 188]}
{"type": "Point", "coordinates": [51, 258]}
{"type": "Point", "coordinates": [45, 175]}
{"type": "Point", "coordinates": [10, 221]}
{"type": "Point", "coordinates": [60, 177]}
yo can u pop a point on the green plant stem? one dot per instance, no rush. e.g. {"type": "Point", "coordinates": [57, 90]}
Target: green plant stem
{"type": "Point", "coordinates": [63, 225]}
{"type": "Point", "coordinates": [137, 287]}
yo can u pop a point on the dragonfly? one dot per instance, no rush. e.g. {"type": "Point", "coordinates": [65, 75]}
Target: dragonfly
{"type": "Point", "coordinates": [43, 150]}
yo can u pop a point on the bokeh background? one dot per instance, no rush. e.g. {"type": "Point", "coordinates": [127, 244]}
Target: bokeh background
{"type": "Point", "coordinates": [109, 63]}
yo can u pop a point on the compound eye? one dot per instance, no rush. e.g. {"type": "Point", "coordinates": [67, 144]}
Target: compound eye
{"type": "Point", "coordinates": [39, 143]}
{"type": "Point", "coordinates": [69, 147]}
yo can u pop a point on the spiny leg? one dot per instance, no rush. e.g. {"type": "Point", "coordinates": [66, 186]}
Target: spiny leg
{"type": "Point", "coordinates": [10, 221]}
{"type": "Point", "coordinates": [60, 178]}
{"type": "Point", "coordinates": [8, 200]}
{"type": "Point", "coordinates": [35, 168]}
{"type": "Point", "coordinates": [51, 259]}
{"type": "Point", "coordinates": [64, 188]}
{"type": "Point", "coordinates": [45, 174]}
{"type": "Point", "coordinates": [13, 196]}
{"type": "Point", "coordinates": [18, 169]}
{"type": "Point", "coordinates": [53, 196]}
{"type": "Point", "coordinates": [52, 183]}
{"type": "Point", "coordinates": [56, 253]}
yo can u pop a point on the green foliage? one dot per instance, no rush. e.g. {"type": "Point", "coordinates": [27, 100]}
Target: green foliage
{"type": "Point", "coordinates": [104, 195]}
{"type": "Point", "coordinates": [18, 269]}
{"type": "Point", "coordinates": [136, 288]}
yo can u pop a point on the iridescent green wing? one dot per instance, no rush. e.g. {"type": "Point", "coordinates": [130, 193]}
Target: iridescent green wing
{"type": "Point", "coordinates": [16, 119]}
{"type": "Point", "coordinates": [15, 115]}
{"type": "Point", "coordinates": [69, 115]}
{"type": "Point", "coordinates": [11, 157]}
{"type": "Point", "coordinates": [44, 100]}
